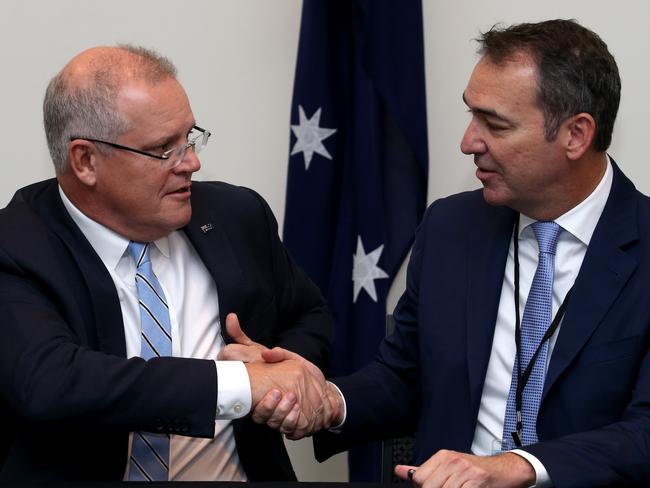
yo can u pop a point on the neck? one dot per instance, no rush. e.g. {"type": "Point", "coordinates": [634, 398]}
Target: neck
{"type": "Point", "coordinates": [584, 177]}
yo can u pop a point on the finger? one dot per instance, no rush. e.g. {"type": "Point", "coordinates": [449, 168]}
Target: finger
{"type": "Point", "coordinates": [284, 408]}
{"type": "Point", "coordinates": [224, 354]}
{"type": "Point", "coordinates": [405, 472]}
{"type": "Point", "coordinates": [266, 406]}
{"type": "Point", "coordinates": [290, 423]}
{"type": "Point", "coordinates": [301, 427]}
{"type": "Point", "coordinates": [234, 330]}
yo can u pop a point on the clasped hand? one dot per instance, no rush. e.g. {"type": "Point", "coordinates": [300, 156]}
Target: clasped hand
{"type": "Point", "coordinates": [289, 393]}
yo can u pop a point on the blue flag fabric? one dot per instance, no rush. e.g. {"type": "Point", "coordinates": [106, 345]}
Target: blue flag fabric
{"type": "Point", "coordinates": [358, 167]}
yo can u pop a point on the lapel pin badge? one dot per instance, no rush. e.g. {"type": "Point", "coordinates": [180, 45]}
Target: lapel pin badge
{"type": "Point", "coordinates": [206, 228]}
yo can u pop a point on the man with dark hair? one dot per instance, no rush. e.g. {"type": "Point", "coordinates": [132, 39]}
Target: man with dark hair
{"type": "Point", "coordinates": [120, 281]}
{"type": "Point", "coordinates": [520, 352]}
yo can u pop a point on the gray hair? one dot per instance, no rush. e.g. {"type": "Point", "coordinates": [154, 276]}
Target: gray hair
{"type": "Point", "coordinates": [88, 108]}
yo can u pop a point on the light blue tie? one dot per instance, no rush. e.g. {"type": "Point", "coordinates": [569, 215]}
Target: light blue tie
{"type": "Point", "coordinates": [150, 452]}
{"type": "Point", "coordinates": [534, 323]}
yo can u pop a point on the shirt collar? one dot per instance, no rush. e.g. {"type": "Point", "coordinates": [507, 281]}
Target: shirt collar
{"type": "Point", "coordinates": [108, 244]}
{"type": "Point", "coordinates": [581, 220]}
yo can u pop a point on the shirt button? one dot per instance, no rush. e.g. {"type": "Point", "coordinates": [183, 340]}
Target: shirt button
{"type": "Point", "coordinates": [238, 408]}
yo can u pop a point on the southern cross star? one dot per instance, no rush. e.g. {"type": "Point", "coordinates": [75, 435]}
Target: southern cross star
{"type": "Point", "coordinates": [366, 271]}
{"type": "Point", "coordinates": [309, 136]}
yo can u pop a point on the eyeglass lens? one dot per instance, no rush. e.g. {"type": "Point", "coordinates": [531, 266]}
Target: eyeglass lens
{"type": "Point", "coordinates": [196, 140]}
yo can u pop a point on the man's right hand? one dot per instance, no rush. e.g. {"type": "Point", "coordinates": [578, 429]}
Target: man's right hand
{"type": "Point", "coordinates": [288, 392]}
{"type": "Point", "coordinates": [284, 412]}
{"type": "Point", "coordinates": [294, 384]}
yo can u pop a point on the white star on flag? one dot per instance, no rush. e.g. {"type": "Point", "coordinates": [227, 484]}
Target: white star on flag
{"type": "Point", "coordinates": [309, 137]}
{"type": "Point", "coordinates": [366, 271]}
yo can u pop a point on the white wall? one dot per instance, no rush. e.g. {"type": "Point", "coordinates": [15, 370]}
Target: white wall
{"type": "Point", "coordinates": [236, 59]}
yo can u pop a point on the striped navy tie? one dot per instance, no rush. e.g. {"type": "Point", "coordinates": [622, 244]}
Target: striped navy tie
{"type": "Point", "coordinates": [150, 452]}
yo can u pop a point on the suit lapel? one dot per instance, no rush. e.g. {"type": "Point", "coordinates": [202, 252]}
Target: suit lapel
{"type": "Point", "coordinates": [606, 268]}
{"type": "Point", "coordinates": [99, 284]}
{"type": "Point", "coordinates": [488, 251]}
{"type": "Point", "coordinates": [210, 239]}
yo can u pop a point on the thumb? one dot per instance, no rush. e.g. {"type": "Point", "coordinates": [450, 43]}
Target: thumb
{"type": "Point", "coordinates": [234, 330]}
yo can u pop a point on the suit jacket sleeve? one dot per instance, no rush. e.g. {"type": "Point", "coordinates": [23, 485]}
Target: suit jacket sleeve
{"type": "Point", "coordinates": [56, 367]}
{"type": "Point", "coordinates": [48, 375]}
{"type": "Point", "coordinates": [383, 398]}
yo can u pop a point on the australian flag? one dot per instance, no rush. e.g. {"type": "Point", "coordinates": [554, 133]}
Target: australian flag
{"type": "Point", "coordinates": [358, 167]}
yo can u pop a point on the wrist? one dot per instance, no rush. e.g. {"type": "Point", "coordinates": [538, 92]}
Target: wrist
{"type": "Point", "coordinates": [519, 470]}
{"type": "Point", "coordinates": [336, 400]}
{"type": "Point", "coordinates": [258, 380]}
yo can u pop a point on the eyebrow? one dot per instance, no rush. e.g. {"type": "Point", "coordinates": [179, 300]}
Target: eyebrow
{"type": "Point", "coordinates": [485, 111]}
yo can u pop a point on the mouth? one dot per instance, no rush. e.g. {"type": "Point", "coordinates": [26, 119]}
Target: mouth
{"type": "Point", "coordinates": [482, 167]}
{"type": "Point", "coordinates": [484, 174]}
{"type": "Point", "coordinates": [182, 191]}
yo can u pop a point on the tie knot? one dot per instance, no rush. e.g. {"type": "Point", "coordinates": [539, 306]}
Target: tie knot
{"type": "Point", "coordinates": [139, 251]}
{"type": "Point", "coordinates": [547, 234]}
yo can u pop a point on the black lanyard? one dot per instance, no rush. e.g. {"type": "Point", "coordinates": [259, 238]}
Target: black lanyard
{"type": "Point", "coordinates": [522, 378]}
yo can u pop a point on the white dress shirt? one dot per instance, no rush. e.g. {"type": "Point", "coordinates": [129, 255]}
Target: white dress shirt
{"type": "Point", "coordinates": [196, 333]}
{"type": "Point", "coordinates": [578, 224]}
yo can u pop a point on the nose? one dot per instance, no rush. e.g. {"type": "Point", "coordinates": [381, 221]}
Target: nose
{"type": "Point", "coordinates": [472, 141]}
{"type": "Point", "coordinates": [189, 164]}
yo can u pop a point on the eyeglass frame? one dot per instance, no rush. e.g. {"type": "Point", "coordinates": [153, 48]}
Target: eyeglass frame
{"type": "Point", "coordinates": [162, 157]}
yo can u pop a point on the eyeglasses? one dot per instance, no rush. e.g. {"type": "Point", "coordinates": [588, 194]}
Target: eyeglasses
{"type": "Point", "coordinates": [197, 139]}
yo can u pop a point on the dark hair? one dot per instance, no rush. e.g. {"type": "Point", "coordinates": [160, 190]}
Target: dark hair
{"type": "Point", "coordinates": [576, 72]}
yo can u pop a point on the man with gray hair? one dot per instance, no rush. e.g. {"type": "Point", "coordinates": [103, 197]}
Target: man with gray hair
{"type": "Point", "coordinates": [121, 281]}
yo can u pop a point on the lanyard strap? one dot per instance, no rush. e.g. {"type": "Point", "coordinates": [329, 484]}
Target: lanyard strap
{"type": "Point", "coordinates": [522, 377]}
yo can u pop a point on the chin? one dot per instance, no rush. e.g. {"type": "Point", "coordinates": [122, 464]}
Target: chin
{"type": "Point", "coordinates": [492, 197]}
{"type": "Point", "coordinates": [180, 220]}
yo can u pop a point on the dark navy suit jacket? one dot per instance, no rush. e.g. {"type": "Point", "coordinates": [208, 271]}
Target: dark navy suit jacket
{"type": "Point", "coordinates": [64, 381]}
{"type": "Point", "coordinates": [594, 419]}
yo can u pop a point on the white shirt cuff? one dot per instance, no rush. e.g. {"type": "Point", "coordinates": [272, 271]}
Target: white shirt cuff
{"type": "Point", "coordinates": [543, 480]}
{"type": "Point", "coordinates": [233, 390]}
{"type": "Point", "coordinates": [337, 428]}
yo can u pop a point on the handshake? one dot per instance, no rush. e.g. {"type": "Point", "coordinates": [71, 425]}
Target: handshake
{"type": "Point", "coordinates": [289, 393]}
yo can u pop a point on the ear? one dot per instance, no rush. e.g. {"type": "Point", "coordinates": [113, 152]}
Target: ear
{"type": "Point", "coordinates": [82, 158]}
{"type": "Point", "coordinates": [580, 131]}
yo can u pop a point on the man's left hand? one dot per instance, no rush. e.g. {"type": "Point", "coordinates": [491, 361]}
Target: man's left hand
{"type": "Point", "coordinates": [454, 469]}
